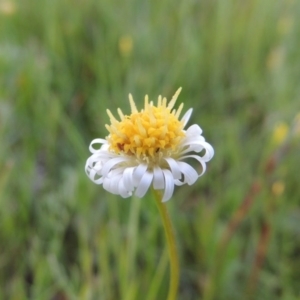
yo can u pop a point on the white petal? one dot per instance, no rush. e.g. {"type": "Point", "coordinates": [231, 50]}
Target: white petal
{"type": "Point", "coordinates": [186, 117]}
{"type": "Point", "coordinates": [104, 154]}
{"type": "Point", "coordinates": [138, 174]}
{"type": "Point", "coordinates": [158, 179]}
{"type": "Point", "coordinates": [98, 181]}
{"type": "Point", "coordinates": [197, 147]}
{"type": "Point", "coordinates": [123, 191]}
{"type": "Point", "coordinates": [116, 172]}
{"type": "Point", "coordinates": [94, 173]}
{"type": "Point", "coordinates": [111, 184]}
{"type": "Point", "coordinates": [144, 184]}
{"type": "Point", "coordinates": [94, 163]}
{"type": "Point", "coordinates": [111, 163]}
{"type": "Point", "coordinates": [209, 152]}
{"type": "Point", "coordinates": [190, 174]}
{"type": "Point", "coordinates": [96, 141]}
{"type": "Point", "coordinates": [190, 148]}
{"type": "Point", "coordinates": [174, 167]}
{"type": "Point", "coordinates": [95, 177]}
{"type": "Point", "coordinates": [199, 159]}
{"type": "Point", "coordinates": [128, 178]}
{"type": "Point", "coordinates": [194, 130]}
{"type": "Point", "coordinates": [100, 156]}
{"type": "Point", "coordinates": [191, 140]}
{"type": "Point", "coordinates": [194, 144]}
{"type": "Point", "coordinates": [169, 185]}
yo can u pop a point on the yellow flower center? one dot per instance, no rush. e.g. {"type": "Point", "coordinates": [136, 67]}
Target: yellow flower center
{"type": "Point", "coordinates": [153, 132]}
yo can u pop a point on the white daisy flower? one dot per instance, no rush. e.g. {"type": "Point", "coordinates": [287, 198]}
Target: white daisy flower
{"type": "Point", "coordinates": [146, 148]}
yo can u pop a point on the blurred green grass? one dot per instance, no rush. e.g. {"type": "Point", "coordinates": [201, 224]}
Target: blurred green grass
{"type": "Point", "coordinates": [62, 63]}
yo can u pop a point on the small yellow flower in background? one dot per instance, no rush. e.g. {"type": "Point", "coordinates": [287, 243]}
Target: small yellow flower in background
{"type": "Point", "coordinates": [280, 133]}
{"type": "Point", "coordinates": [125, 45]}
{"type": "Point", "coordinates": [285, 24]}
{"type": "Point", "coordinates": [275, 58]}
{"type": "Point", "coordinates": [148, 148]}
{"type": "Point", "coordinates": [278, 188]}
{"type": "Point", "coordinates": [7, 7]}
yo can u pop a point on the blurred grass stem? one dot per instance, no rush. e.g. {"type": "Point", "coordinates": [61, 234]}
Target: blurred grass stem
{"type": "Point", "coordinates": [233, 225]}
{"type": "Point", "coordinates": [174, 264]}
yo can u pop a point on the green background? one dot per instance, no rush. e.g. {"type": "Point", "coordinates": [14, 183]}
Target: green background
{"type": "Point", "coordinates": [63, 63]}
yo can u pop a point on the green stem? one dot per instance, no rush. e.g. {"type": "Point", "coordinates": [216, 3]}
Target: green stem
{"type": "Point", "coordinates": [174, 264]}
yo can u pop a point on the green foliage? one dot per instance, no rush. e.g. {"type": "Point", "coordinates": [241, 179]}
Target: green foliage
{"type": "Point", "coordinates": [62, 63]}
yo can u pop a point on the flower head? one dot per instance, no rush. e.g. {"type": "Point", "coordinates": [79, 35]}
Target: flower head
{"type": "Point", "coordinates": [146, 148]}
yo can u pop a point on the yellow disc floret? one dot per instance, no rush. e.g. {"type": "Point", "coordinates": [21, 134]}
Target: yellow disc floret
{"type": "Point", "coordinates": [147, 134]}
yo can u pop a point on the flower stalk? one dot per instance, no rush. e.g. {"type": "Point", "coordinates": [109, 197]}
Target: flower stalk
{"type": "Point", "coordinates": [171, 243]}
